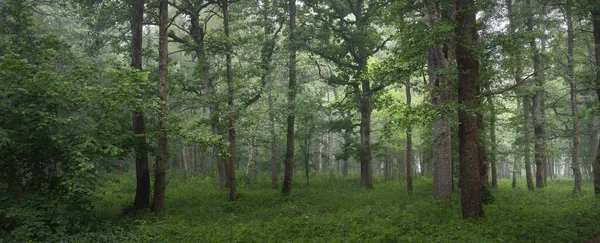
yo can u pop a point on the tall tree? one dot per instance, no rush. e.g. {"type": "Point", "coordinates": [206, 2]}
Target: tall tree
{"type": "Point", "coordinates": [231, 117]}
{"type": "Point", "coordinates": [537, 114]}
{"type": "Point", "coordinates": [195, 40]}
{"type": "Point", "coordinates": [439, 63]}
{"type": "Point", "coordinates": [291, 97]}
{"type": "Point", "coordinates": [573, 92]}
{"type": "Point", "coordinates": [409, 152]}
{"type": "Point", "coordinates": [596, 24]}
{"type": "Point", "coordinates": [349, 42]}
{"type": "Point", "coordinates": [142, 171]}
{"type": "Point", "coordinates": [163, 68]}
{"type": "Point", "coordinates": [468, 92]}
{"type": "Point", "coordinates": [518, 75]}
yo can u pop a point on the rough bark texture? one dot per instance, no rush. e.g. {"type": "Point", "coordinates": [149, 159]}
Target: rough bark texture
{"type": "Point", "coordinates": [596, 23]}
{"type": "Point", "coordinates": [289, 153]}
{"type": "Point", "coordinates": [536, 111]}
{"type": "Point", "coordinates": [366, 173]}
{"type": "Point", "coordinates": [468, 71]}
{"type": "Point", "coordinates": [161, 152]}
{"type": "Point", "coordinates": [438, 61]}
{"type": "Point", "coordinates": [571, 76]}
{"type": "Point", "coordinates": [232, 163]}
{"type": "Point", "coordinates": [142, 171]}
{"type": "Point", "coordinates": [409, 152]}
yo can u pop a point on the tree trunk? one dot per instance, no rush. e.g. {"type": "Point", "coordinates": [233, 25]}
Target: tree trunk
{"type": "Point", "coordinates": [596, 23]}
{"type": "Point", "coordinates": [232, 163]}
{"type": "Point", "coordinates": [307, 161]}
{"type": "Point", "coordinates": [438, 61]}
{"type": "Point", "coordinates": [573, 87]}
{"type": "Point", "coordinates": [142, 171]}
{"type": "Point", "coordinates": [184, 161]}
{"type": "Point", "coordinates": [289, 154]}
{"type": "Point", "coordinates": [494, 146]}
{"type": "Point", "coordinates": [514, 173]}
{"type": "Point", "coordinates": [482, 152]}
{"type": "Point", "coordinates": [250, 163]}
{"type": "Point", "coordinates": [319, 157]}
{"type": "Point", "coordinates": [468, 92]}
{"type": "Point", "coordinates": [536, 114]}
{"type": "Point", "coordinates": [273, 145]}
{"type": "Point", "coordinates": [526, 101]}
{"type": "Point", "coordinates": [409, 152]}
{"type": "Point", "coordinates": [366, 173]}
{"type": "Point", "coordinates": [161, 151]}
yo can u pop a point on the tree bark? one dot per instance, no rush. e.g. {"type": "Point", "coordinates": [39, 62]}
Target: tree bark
{"type": "Point", "coordinates": [289, 154]}
{"type": "Point", "coordinates": [596, 23]}
{"type": "Point", "coordinates": [409, 152]}
{"type": "Point", "coordinates": [142, 171]}
{"type": "Point", "coordinates": [161, 152]}
{"type": "Point", "coordinates": [536, 114]}
{"type": "Point", "coordinates": [573, 90]}
{"type": "Point", "coordinates": [468, 92]}
{"type": "Point", "coordinates": [231, 135]}
{"type": "Point", "coordinates": [439, 60]}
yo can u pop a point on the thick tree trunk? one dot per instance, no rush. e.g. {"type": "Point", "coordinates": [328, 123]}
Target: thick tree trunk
{"type": "Point", "coordinates": [571, 75]}
{"type": "Point", "coordinates": [409, 152]}
{"type": "Point", "coordinates": [142, 171]}
{"type": "Point", "coordinates": [289, 154]}
{"type": "Point", "coordinates": [161, 151]}
{"type": "Point", "coordinates": [439, 60]}
{"type": "Point", "coordinates": [468, 92]}
{"type": "Point", "coordinates": [232, 163]}
{"type": "Point", "coordinates": [596, 23]}
{"type": "Point", "coordinates": [366, 173]}
{"type": "Point", "coordinates": [537, 108]}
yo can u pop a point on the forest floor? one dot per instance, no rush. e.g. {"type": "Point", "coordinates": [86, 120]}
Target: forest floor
{"type": "Point", "coordinates": [335, 209]}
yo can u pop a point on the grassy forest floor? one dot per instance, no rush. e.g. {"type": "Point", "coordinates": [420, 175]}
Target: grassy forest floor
{"type": "Point", "coordinates": [339, 210]}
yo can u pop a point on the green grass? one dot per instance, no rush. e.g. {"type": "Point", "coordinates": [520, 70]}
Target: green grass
{"type": "Point", "coordinates": [339, 210]}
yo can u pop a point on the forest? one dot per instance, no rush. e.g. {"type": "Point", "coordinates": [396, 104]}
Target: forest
{"type": "Point", "coordinates": [299, 121]}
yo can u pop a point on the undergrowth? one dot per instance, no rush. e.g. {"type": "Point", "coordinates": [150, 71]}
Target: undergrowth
{"type": "Point", "coordinates": [335, 209]}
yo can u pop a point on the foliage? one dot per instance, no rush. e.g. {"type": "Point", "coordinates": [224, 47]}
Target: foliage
{"type": "Point", "coordinates": [58, 117]}
{"type": "Point", "coordinates": [197, 213]}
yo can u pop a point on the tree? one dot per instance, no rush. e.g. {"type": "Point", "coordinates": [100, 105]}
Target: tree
{"type": "Point", "coordinates": [518, 75]}
{"type": "Point", "coordinates": [289, 151]}
{"type": "Point", "coordinates": [196, 41]}
{"type": "Point", "coordinates": [161, 156]}
{"type": "Point", "coordinates": [468, 91]}
{"type": "Point", "coordinates": [409, 150]}
{"type": "Point", "coordinates": [349, 43]}
{"type": "Point", "coordinates": [596, 23]}
{"type": "Point", "coordinates": [142, 192]}
{"type": "Point", "coordinates": [573, 93]}
{"type": "Point", "coordinates": [537, 109]}
{"type": "Point", "coordinates": [439, 63]}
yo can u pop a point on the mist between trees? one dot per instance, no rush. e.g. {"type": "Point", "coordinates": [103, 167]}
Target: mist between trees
{"type": "Point", "coordinates": [120, 111]}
